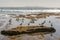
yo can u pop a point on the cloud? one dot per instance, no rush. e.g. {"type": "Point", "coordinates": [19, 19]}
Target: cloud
{"type": "Point", "coordinates": [21, 3]}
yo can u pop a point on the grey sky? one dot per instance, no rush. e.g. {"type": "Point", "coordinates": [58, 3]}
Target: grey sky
{"type": "Point", "coordinates": [36, 3]}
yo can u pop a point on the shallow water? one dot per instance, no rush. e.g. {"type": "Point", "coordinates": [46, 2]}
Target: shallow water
{"type": "Point", "coordinates": [14, 24]}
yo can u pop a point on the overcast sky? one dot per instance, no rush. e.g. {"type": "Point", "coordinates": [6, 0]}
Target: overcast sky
{"type": "Point", "coordinates": [33, 3]}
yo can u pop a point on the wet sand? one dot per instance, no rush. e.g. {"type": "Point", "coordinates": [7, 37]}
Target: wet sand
{"type": "Point", "coordinates": [15, 23]}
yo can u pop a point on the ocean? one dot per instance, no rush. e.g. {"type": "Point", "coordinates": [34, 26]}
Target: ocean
{"type": "Point", "coordinates": [22, 10]}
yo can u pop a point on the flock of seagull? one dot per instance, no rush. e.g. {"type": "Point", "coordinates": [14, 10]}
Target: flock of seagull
{"type": "Point", "coordinates": [32, 21]}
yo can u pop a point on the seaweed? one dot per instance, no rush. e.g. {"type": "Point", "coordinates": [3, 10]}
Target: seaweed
{"type": "Point", "coordinates": [31, 31]}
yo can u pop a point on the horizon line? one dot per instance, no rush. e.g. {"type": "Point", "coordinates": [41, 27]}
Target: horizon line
{"type": "Point", "coordinates": [33, 6]}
